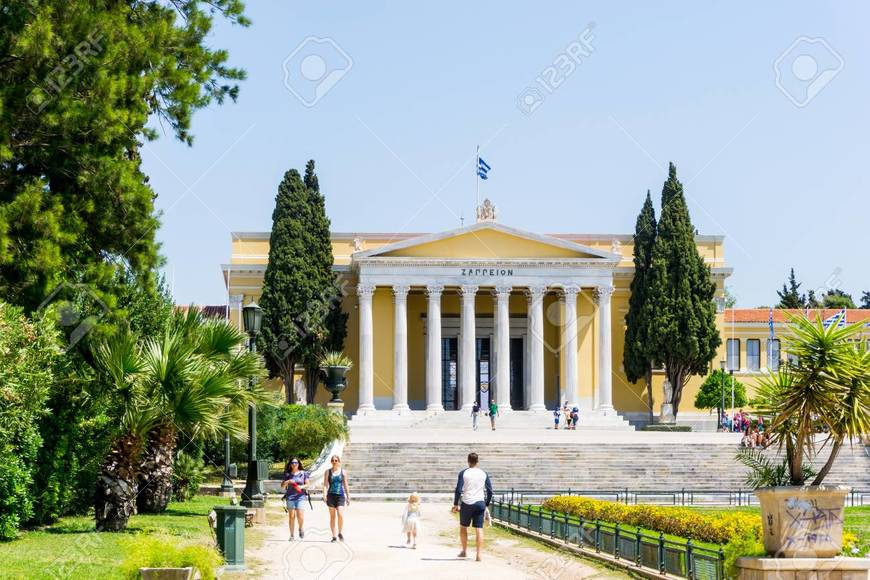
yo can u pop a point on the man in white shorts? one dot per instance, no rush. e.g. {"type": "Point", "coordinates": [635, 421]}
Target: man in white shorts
{"type": "Point", "coordinates": [472, 496]}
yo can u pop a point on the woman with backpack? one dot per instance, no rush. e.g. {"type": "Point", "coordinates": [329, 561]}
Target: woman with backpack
{"type": "Point", "coordinates": [295, 486]}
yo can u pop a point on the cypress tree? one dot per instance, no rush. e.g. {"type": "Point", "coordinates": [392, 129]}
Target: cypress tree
{"type": "Point", "coordinates": [322, 319]}
{"type": "Point", "coordinates": [682, 332]}
{"type": "Point", "coordinates": [790, 296]}
{"type": "Point", "coordinates": [637, 357]}
{"type": "Point", "coordinates": [287, 286]}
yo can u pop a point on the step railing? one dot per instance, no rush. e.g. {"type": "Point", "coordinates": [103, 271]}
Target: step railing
{"type": "Point", "coordinates": [677, 497]}
{"type": "Point", "coordinates": [631, 548]}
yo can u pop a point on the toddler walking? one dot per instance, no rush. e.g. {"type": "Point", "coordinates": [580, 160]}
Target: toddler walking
{"type": "Point", "coordinates": [411, 520]}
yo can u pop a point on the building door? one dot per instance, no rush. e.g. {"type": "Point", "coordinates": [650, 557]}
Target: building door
{"type": "Point", "coordinates": [516, 374]}
{"type": "Point", "coordinates": [483, 372]}
{"type": "Point", "coordinates": [450, 373]}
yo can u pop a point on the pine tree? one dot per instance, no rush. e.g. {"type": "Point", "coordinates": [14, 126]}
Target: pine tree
{"type": "Point", "coordinates": [637, 358]}
{"type": "Point", "coordinates": [790, 296]}
{"type": "Point", "coordinates": [836, 298]}
{"type": "Point", "coordinates": [865, 299]}
{"type": "Point", "coordinates": [287, 286]}
{"type": "Point", "coordinates": [682, 333]}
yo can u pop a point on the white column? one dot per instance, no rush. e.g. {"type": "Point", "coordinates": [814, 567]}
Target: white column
{"type": "Point", "coordinates": [366, 349]}
{"type": "Point", "coordinates": [400, 348]}
{"type": "Point", "coordinates": [536, 335]}
{"type": "Point", "coordinates": [468, 351]}
{"type": "Point", "coordinates": [503, 348]}
{"type": "Point", "coordinates": [569, 345]}
{"type": "Point", "coordinates": [433, 349]}
{"type": "Point", "coordinates": [605, 375]}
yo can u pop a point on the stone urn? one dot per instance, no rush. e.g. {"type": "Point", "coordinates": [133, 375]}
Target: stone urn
{"type": "Point", "coordinates": [335, 381]}
{"type": "Point", "coordinates": [802, 522]}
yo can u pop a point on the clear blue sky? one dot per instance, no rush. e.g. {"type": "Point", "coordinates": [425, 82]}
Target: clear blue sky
{"type": "Point", "coordinates": [394, 138]}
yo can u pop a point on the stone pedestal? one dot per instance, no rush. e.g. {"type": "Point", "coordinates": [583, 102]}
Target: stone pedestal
{"type": "Point", "coordinates": [666, 417]}
{"type": "Point", "coordinates": [839, 568]}
{"type": "Point", "coordinates": [802, 522]}
{"type": "Point", "coordinates": [336, 407]}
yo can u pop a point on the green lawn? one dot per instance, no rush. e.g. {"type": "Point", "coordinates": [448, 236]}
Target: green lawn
{"type": "Point", "coordinates": [72, 549]}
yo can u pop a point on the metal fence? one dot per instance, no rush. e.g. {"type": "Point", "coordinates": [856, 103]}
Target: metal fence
{"type": "Point", "coordinates": [679, 558]}
{"type": "Point", "coordinates": [677, 497]}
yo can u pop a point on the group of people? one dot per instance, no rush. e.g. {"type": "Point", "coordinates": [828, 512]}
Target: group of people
{"type": "Point", "coordinates": [475, 414]}
{"type": "Point", "coordinates": [752, 428]}
{"type": "Point", "coordinates": [571, 414]}
{"type": "Point", "coordinates": [471, 500]}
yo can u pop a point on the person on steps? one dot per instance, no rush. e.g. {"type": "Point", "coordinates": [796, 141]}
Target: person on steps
{"type": "Point", "coordinates": [493, 413]}
{"type": "Point", "coordinates": [471, 499]}
{"type": "Point", "coordinates": [336, 494]}
{"type": "Point", "coordinates": [475, 414]}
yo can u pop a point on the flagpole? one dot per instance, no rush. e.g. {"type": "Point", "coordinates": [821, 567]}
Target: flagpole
{"type": "Point", "coordinates": [477, 178]}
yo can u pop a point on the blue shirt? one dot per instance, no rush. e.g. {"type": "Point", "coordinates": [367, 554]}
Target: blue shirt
{"type": "Point", "coordinates": [299, 478]}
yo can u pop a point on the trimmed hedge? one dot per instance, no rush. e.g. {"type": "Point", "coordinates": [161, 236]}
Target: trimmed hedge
{"type": "Point", "coordinates": [671, 428]}
{"type": "Point", "coordinates": [687, 523]}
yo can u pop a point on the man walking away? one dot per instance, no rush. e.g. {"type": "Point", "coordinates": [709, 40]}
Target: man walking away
{"type": "Point", "coordinates": [472, 496]}
{"type": "Point", "coordinates": [475, 413]}
{"type": "Point", "coordinates": [493, 413]}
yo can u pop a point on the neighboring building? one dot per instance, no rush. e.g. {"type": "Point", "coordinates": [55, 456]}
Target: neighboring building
{"type": "Point", "coordinates": [554, 305]}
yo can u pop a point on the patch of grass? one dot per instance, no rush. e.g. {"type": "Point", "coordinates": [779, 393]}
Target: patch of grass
{"type": "Point", "coordinates": [71, 548]}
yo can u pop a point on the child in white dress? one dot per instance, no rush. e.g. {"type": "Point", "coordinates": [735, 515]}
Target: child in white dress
{"type": "Point", "coordinates": [411, 520]}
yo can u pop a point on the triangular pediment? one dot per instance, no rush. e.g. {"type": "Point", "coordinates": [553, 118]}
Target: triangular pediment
{"type": "Point", "coordinates": [486, 241]}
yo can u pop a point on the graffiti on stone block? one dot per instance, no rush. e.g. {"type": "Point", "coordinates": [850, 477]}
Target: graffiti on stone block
{"type": "Point", "coordinates": [808, 525]}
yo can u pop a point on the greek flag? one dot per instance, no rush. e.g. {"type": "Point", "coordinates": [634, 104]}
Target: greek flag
{"type": "Point", "coordinates": [482, 168]}
{"type": "Point", "coordinates": [829, 321]}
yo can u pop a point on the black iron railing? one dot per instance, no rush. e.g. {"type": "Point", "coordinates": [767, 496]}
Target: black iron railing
{"type": "Point", "coordinates": [632, 546]}
{"type": "Point", "coordinates": [679, 497]}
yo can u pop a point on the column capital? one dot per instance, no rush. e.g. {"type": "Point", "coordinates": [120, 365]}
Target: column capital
{"type": "Point", "coordinates": [468, 291]}
{"type": "Point", "coordinates": [571, 291]}
{"type": "Point", "coordinates": [365, 290]}
{"type": "Point", "coordinates": [535, 292]}
{"type": "Point", "coordinates": [400, 292]}
{"type": "Point", "coordinates": [603, 293]}
{"type": "Point", "coordinates": [433, 291]}
{"type": "Point", "coordinates": [502, 292]}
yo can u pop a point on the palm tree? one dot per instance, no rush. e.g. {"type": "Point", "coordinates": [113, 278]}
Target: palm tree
{"type": "Point", "coordinates": [196, 377]}
{"type": "Point", "coordinates": [829, 386]}
{"type": "Point", "coordinates": [118, 364]}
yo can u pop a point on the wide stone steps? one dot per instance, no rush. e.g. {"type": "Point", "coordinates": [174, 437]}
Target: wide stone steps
{"type": "Point", "coordinates": [523, 420]}
{"type": "Point", "coordinates": [432, 467]}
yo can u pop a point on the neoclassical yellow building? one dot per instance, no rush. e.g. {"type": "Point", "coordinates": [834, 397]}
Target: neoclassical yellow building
{"type": "Point", "coordinates": [440, 320]}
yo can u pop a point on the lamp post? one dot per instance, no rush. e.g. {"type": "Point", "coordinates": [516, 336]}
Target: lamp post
{"type": "Point", "coordinates": [731, 373]}
{"type": "Point", "coordinates": [227, 487]}
{"type": "Point", "coordinates": [252, 496]}
{"type": "Point", "coordinates": [722, 365]}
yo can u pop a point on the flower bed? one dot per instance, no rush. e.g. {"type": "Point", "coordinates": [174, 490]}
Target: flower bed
{"type": "Point", "coordinates": [687, 523]}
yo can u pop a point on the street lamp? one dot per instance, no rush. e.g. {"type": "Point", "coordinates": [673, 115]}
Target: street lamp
{"type": "Point", "coordinates": [252, 496]}
{"type": "Point", "coordinates": [731, 372]}
{"type": "Point", "coordinates": [722, 365]}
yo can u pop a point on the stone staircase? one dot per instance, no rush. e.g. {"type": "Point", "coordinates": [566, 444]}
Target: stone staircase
{"type": "Point", "coordinates": [432, 467]}
{"type": "Point", "coordinates": [526, 420]}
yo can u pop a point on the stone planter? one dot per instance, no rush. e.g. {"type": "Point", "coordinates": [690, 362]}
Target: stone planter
{"type": "Point", "coordinates": [336, 382]}
{"type": "Point", "coordinates": [188, 573]}
{"type": "Point", "coordinates": [802, 522]}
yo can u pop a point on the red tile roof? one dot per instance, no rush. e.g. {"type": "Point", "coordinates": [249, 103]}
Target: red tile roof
{"type": "Point", "coordinates": [749, 315]}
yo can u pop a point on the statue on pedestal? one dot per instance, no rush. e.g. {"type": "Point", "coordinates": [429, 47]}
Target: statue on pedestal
{"type": "Point", "coordinates": [667, 413]}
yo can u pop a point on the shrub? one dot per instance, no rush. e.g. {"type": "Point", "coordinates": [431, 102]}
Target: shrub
{"type": "Point", "coordinates": [743, 545]}
{"type": "Point", "coordinates": [188, 473]}
{"type": "Point", "coordinates": [715, 528]}
{"type": "Point", "coordinates": [297, 430]}
{"type": "Point", "coordinates": [165, 552]}
{"type": "Point", "coordinates": [29, 356]}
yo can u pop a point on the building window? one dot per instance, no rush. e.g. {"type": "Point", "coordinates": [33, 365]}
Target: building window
{"type": "Point", "coordinates": [753, 354]}
{"type": "Point", "coordinates": [773, 354]}
{"type": "Point", "coordinates": [733, 349]}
